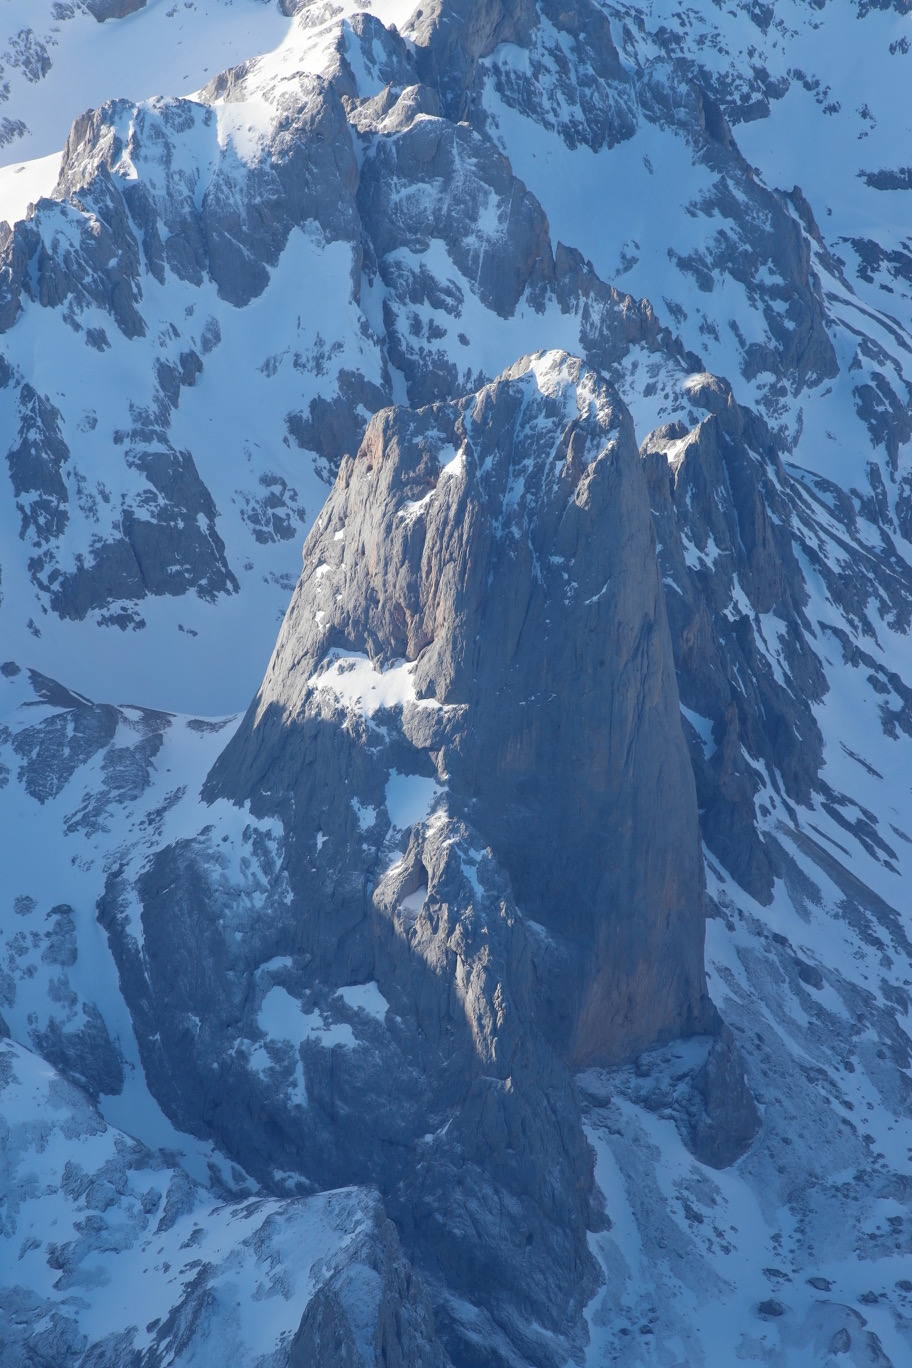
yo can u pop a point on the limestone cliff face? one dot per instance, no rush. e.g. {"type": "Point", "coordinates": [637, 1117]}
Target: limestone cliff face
{"type": "Point", "coordinates": [415, 890]}
{"type": "Point", "coordinates": [468, 855]}
{"type": "Point", "coordinates": [499, 552]}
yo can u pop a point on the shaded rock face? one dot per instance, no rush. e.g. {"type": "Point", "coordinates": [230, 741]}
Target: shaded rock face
{"type": "Point", "coordinates": [113, 9]}
{"type": "Point", "coordinates": [503, 545]}
{"type": "Point", "coordinates": [407, 1058]}
{"type": "Point", "coordinates": [766, 577]}
{"type": "Point", "coordinates": [400, 1051]}
{"type": "Point", "coordinates": [722, 1118]}
{"type": "Point", "coordinates": [465, 175]}
{"type": "Point", "coordinates": [355, 1318]}
{"type": "Point", "coordinates": [721, 504]}
{"type": "Point", "coordinates": [454, 39]}
{"type": "Point", "coordinates": [697, 1083]}
{"type": "Point", "coordinates": [468, 854]}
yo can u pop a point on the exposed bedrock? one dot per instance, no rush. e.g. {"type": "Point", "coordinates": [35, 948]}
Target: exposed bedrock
{"type": "Point", "coordinates": [459, 856]}
{"type": "Point", "coordinates": [502, 545]}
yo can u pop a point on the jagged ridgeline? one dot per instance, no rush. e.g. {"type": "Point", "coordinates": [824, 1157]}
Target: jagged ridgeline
{"type": "Point", "coordinates": [523, 979]}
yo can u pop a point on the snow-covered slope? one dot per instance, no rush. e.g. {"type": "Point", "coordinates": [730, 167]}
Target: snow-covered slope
{"type": "Point", "coordinates": [144, 1265]}
{"type": "Point", "coordinates": [742, 158]}
{"type": "Point", "coordinates": [298, 1001]}
{"type": "Point", "coordinates": [61, 59]}
{"type": "Point", "coordinates": [200, 325]}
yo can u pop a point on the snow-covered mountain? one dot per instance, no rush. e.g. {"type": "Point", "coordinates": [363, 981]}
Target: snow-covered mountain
{"type": "Point", "coordinates": [524, 979]}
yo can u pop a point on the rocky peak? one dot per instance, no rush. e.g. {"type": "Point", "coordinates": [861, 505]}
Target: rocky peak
{"type": "Point", "coordinates": [494, 558]}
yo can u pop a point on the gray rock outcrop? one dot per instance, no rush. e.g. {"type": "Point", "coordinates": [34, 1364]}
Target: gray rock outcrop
{"type": "Point", "coordinates": [113, 9]}
{"type": "Point", "coordinates": [484, 542]}
{"type": "Point", "coordinates": [527, 892]}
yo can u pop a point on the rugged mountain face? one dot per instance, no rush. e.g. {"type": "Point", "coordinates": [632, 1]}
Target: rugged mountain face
{"type": "Point", "coordinates": [359, 938]}
{"type": "Point", "coordinates": [168, 268]}
{"type": "Point", "coordinates": [186, 1260]}
{"type": "Point", "coordinates": [524, 978]}
{"type": "Point", "coordinates": [495, 558]}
